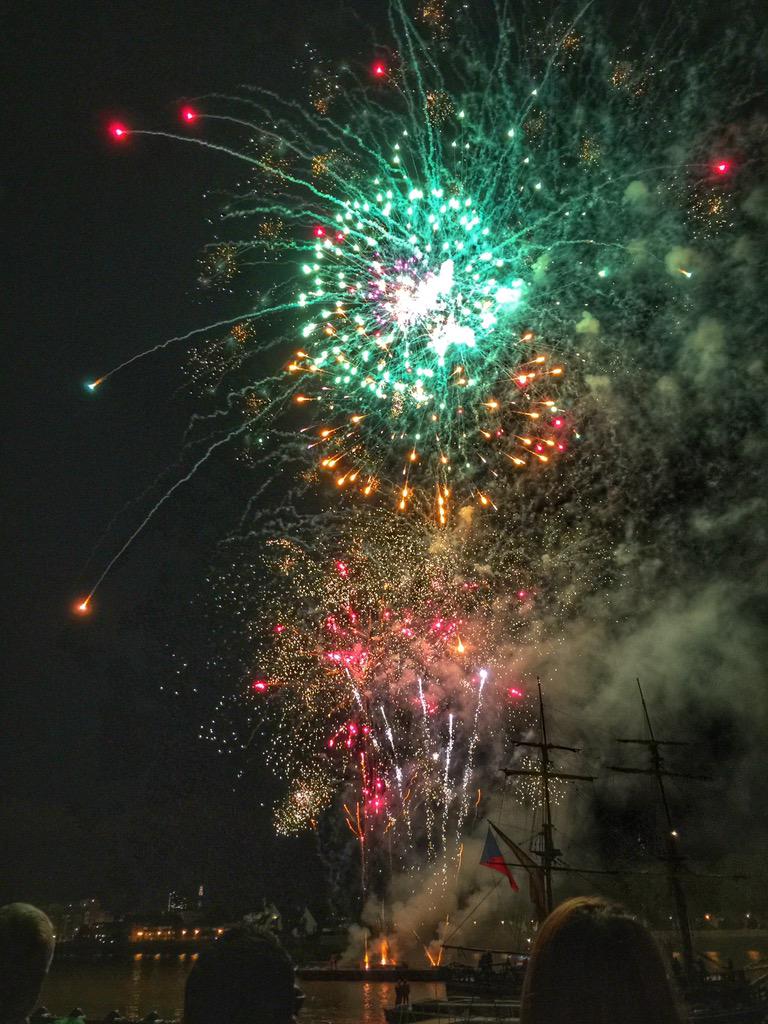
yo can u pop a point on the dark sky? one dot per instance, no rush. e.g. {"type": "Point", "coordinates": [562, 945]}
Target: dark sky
{"type": "Point", "coordinates": [104, 792]}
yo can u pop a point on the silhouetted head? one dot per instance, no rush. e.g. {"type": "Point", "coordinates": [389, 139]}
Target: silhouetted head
{"type": "Point", "coordinates": [593, 963]}
{"type": "Point", "coordinates": [26, 949]}
{"type": "Point", "coordinates": [246, 977]}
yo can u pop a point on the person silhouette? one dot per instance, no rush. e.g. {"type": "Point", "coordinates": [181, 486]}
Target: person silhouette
{"type": "Point", "coordinates": [26, 951]}
{"type": "Point", "coordinates": [245, 977]}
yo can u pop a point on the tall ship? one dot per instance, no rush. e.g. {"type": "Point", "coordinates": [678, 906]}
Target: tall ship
{"type": "Point", "coordinates": [490, 986]}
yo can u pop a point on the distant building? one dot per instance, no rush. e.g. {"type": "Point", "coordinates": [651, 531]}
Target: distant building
{"type": "Point", "coordinates": [268, 917]}
{"type": "Point", "coordinates": [179, 903]}
{"type": "Point", "coordinates": [302, 924]}
{"type": "Point", "coordinates": [85, 914]}
{"type": "Point", "coordinates": [184, 903]}
{"type": "Point", "coordinates": [308, 924]}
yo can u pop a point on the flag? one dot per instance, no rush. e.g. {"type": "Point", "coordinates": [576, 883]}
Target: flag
{"type": "Point", "coordinates": [494, 859]}
{"type": "Point", "coordinates": [535, 875]}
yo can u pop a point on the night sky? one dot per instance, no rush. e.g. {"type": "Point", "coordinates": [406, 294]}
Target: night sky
{"type": "Point", "coordinates": [105, 790]}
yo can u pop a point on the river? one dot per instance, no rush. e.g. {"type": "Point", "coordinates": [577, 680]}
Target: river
{"type": "Point", "coordinates": [138, 986]}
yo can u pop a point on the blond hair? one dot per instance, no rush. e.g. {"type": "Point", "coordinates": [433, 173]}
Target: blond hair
{"type": "Point", "coordinates": [593, 963]}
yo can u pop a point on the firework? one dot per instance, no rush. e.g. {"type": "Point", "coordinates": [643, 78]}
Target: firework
{"type": "Point", "coordinates": [370, 690]}
{"type": "Point", "coordinates": [433, 250]}
{"type": "Point", "coordinates": [454, 243]}
{"type": "Point", "coordinates": [457, 262]}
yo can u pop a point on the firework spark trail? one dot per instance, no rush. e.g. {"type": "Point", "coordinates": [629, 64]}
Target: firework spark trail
{"type": "Point", "coordinates": [429, 811]}
{"type": "Point", "coordinates": [229, 151]}
{"type": "Point", "coordinates": [469, 767]}
{"type": "Point", "coordinates": [232, 401]}
{"type": "Point", "coordinates": [107, 530]}
{"type": "Point", "coordinates": [167, 343]}
{"type": "Point", "coordinates": [398, 772]}
{"type": "Point", "coordinates": [188, 442]}
{"type": "Point", "coordinates": [83, 606]}
{"type": "Point", "coordinates": [391, 738]}
{"type": "Point", "coordinates": [447, 796]}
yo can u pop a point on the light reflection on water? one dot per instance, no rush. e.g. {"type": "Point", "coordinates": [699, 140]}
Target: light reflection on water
{"type": "Point", "coordinates": [339, 1002]}
{"type": "Point", "coordinates": [134, 987]}
{"type": "Point", "coordinates": [138, 986]}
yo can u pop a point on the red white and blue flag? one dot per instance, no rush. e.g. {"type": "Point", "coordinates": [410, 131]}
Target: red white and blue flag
{"type": "Point", "coordinates": [494, 859]}
{"type": "Point", "coordinates": [534, 871]}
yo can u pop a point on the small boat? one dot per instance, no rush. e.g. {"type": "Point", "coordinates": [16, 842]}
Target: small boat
{"type": "Point", "coordinates": [499, 1011]}
{"type": "Point", "coordinates": [389, 972]}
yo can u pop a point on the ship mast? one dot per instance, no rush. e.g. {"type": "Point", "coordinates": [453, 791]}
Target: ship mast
{"type": "Point", "coordinates": [673, 858]}
{"type": "Point", "coordinates": [546, 772]}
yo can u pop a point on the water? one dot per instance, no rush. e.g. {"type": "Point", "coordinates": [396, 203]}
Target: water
{"type": "Point", "coordinates": [139, 986]}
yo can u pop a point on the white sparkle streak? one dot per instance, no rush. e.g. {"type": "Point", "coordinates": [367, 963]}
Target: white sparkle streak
{"type": "Point", "coordinates": [483, 675]}
{"type": "Point", "coordinates": [391, 738]}
{"type": "Point", "coordinates": [428, 807]}
{"type": "Point", "coordinates": [447, 794]}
